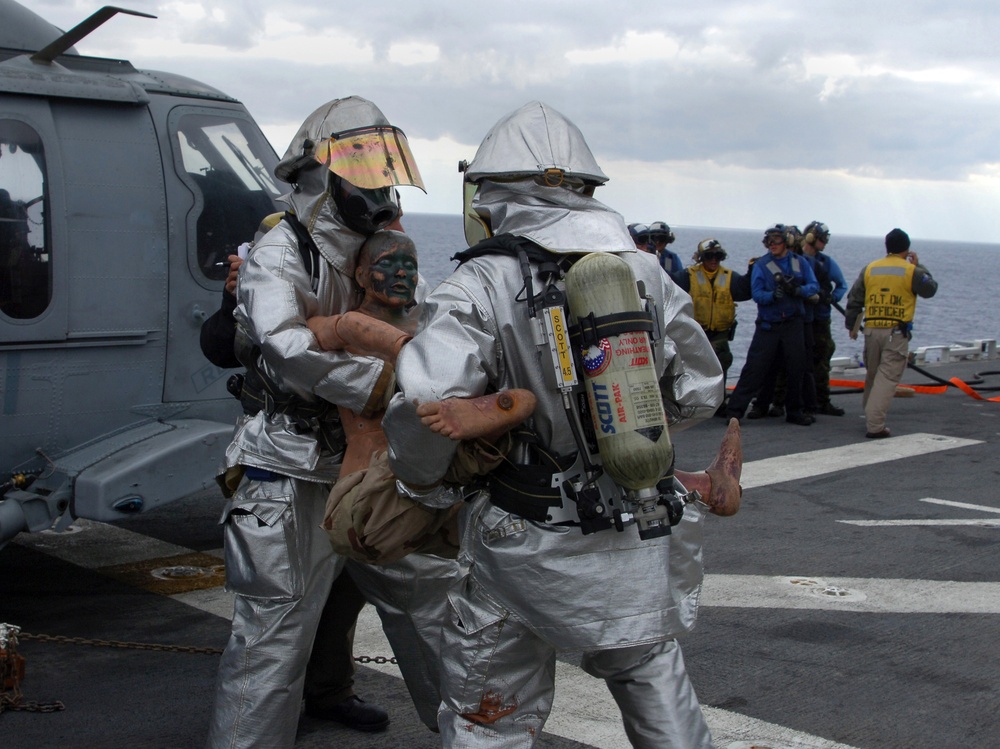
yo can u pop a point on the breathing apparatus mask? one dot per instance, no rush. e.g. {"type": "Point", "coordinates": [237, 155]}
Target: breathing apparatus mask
{"type": "Point", "coordinates": [364, 211]}
{"type": "Point", "coordinates": [366, 164]}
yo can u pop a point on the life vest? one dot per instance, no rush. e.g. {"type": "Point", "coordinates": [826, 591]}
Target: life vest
{"type": "Point", "coordinates": [714, 308]}
{"type": "Point", "coordinates": [889, 297]}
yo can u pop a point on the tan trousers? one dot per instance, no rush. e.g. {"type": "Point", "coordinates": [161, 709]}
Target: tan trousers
{"type": "Point", "coordinates": [885, 361]}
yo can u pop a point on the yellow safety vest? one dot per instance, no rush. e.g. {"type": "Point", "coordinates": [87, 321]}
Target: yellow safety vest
{"type": "Point", "coordinates": [889, 297]}
{"type": "Point", "coordinates": [714, 308]}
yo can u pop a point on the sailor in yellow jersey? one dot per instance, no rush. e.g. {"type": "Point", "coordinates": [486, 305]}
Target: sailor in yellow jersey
{"type": "Point", "coordinates": [886, 292]}
{"type": "Point", "coordinates": [714, 290]}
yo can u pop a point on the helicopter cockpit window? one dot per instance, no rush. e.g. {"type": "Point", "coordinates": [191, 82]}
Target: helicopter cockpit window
{"type": "Point", "coordinates": [25, 270]}
{"type": "Point", "coordinates": [224, 160]}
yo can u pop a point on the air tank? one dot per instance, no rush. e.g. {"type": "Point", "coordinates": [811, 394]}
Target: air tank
{"type": "Point", "coordinates": [619, 374]}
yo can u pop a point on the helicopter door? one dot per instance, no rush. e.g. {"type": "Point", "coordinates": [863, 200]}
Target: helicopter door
{"type": "Point", "coordinates": [222, 184]}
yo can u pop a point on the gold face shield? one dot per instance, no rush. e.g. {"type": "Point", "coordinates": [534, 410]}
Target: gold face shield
{"type": "Point", "coordinates": [370, 157]}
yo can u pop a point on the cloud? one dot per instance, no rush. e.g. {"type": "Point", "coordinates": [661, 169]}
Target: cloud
{"type": "Point", "coordinates": [901, 90]}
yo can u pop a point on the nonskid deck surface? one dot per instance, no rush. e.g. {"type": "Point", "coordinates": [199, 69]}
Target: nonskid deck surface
{"type": "Point", "coordinates": [853, 601]}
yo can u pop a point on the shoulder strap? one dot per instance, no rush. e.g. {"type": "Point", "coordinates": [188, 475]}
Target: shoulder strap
{"type": "Point", "coordinates": [513, 246]}
{"type": "Point", "coordinates": [307, 247]}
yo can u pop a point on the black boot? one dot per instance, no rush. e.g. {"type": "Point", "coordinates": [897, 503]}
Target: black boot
{"type": "Point", "coordinates": [353, 712]}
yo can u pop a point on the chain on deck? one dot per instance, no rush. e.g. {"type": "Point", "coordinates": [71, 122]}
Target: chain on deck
{"type": "Point", "coordinates": [12, 664]}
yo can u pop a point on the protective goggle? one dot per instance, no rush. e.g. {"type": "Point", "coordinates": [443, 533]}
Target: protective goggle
{"type": "Point", "coordinates": [774, 239]}
{"type": "Point", "coordinates": [370, 157]}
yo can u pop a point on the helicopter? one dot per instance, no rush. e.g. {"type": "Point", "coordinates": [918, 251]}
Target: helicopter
{"type": "Point", "coordinates": [122, 193]}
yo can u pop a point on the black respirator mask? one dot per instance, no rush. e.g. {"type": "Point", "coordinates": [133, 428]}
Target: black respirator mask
{"type": "Point", "coordinates": [364, 211]}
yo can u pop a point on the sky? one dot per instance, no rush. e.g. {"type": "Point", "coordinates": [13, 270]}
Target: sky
{"type": "Point", "coordinates": [722, 113]}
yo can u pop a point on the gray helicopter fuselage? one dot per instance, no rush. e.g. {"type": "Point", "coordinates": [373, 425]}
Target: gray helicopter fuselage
{"type": "Point", "coordinates": [122, 192]}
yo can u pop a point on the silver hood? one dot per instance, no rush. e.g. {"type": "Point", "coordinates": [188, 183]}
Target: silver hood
{"type": "Point", "coordinates": [535, 175]}
{"type": "Point", "coordinates": [557, 218]}
{"type": "Point", "coordinates": [531, 141]}
{"type": "Point", "coordinates": [311, 194]}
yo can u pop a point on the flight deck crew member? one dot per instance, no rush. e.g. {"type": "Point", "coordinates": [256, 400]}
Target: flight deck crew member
{"type": "Point", "coordinates": [534, 587]}
{"type": "Point", "coordinates": [283, 460]}
{"type": "Point", "coordinates": [329, 682]}
{"type": "Point", "coordinates": [832, 287]}
{"type": "Point", "coordinates": [780, 282]}
{"type": "Point", "coordinates": [885, 296]}
{"type": "Point", "coordinates": [714, 290]}
{"type": "Point", "coordinates": [660, 235]}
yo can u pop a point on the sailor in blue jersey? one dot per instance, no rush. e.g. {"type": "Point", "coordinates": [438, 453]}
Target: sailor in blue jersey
{"type": "Point", "coordinates": [772, 390]}
{"type": "Point", "coordinates": [660, 235]}
{"type": "Point", "coordinates": [832, 287]}
{"type": "Point", "coordinates": [780, 283]}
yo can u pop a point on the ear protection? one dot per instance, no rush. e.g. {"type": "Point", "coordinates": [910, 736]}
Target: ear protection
{"type": "Point", "coordinates": [815, 231]}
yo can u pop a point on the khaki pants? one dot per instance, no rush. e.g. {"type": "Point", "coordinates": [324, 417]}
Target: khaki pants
{"type": "Point", "coordinates": [885, 361]}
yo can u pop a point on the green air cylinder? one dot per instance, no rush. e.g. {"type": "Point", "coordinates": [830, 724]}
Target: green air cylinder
{"type": "Point", "coordinates": [622, 387]}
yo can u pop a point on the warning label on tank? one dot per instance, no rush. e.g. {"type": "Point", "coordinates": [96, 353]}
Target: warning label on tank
{"type": "Point", "coordinates": [645, 395]}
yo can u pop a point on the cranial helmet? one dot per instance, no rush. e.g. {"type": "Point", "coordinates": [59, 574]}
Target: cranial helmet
{"type": "Point", "coordinates": [535, 141]}
{"type": "Point", "coordinates": [778, 230]}
{"type": "Point", "coordinates": [638, 232]}
{"type": "Point", "coordinates": [659, 231]}
{"type": "Point", "coordinates": [367, 158]}
{"type": "Point", "coordinates": [709, 249]}
{"type": "Point", "coordinates": [794, 238]}
{"type": "Point", "coordinates": [817, 231]}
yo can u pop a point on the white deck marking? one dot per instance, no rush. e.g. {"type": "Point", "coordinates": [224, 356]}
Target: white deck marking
{"type": "Point", "coordinates": [918, 521]}
{"type": "Point", "coordinates": [963, 505]}
{"type": "Point", "coordinates": [985, 522]}
{"type": "Point", "coordinates": [870, 595]}
{"type": "Point", "coordinates": [831, 460]}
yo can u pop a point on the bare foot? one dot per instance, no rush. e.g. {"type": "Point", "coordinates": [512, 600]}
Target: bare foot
{"type": "Point", "coordinates": [719, 485]}
{"type": "Point", "coordinates": [486, 417]}
{"type": "Point", "coordinates": [725, 471]}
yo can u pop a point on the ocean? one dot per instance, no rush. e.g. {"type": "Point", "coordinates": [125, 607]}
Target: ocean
{"type": "Point", "coordinates": [961, 311]}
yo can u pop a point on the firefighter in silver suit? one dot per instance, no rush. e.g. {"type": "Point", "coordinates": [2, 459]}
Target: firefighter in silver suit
{"type": "Point", "coordinates": [534, 587]}
{"type": "Point", "coordinates": [344, 165]}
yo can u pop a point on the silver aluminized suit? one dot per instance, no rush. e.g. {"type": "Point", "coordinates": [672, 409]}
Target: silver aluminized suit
{"type": "Point", "coordinates": [533, 589]}
{"type": "Point", "coordinates": [279, 561]}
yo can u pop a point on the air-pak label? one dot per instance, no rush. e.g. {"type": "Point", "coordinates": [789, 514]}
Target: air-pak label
{"type": "Point", "coordinates": [562, 356]}
{"type": "Point", "coordinates": [624, 393]}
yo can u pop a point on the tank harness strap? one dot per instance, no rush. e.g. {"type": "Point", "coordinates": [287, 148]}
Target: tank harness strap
{"type": "Point", "coordinates": [307, 247]}
{"type": "Point", "coordinates": [590, 330]}
{"type": "Point", "coordinates": [526, 490]}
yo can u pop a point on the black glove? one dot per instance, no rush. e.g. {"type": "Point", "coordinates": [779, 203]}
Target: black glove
{"type": "Point", "coordinates": [825, 297]}
{"type": "Point", "coordinates": [779, 292]}
{"type": "Point", "coordinates": [795, 290]}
